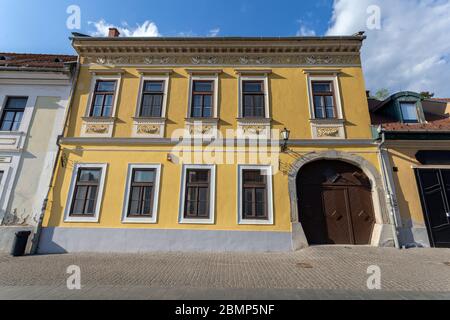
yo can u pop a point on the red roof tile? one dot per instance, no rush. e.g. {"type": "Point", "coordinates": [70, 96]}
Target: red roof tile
{"type": "Point", "coordinates": [442, 124]}
{"type": "Point", "coordinates": [27, 60]}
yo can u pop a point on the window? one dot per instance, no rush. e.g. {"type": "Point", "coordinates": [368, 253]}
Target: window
{"type": "Point", "coordinates": [13, 113]}
{"type": "Point", "coordinates": [103, 99]}
{"type": "Point", "coordinates": [253, 99]}
{"type": "Point", "coordinates": [202, 99]}
{"type": "Point", "coordinates": [141, 193]}
{"type": "Point", "coordinates": [254, 189]}
{"type": "Point", "coordinates": [197, 194]}
{"type": "Point", "coordinates": [255, 203]}
{"type": "Point", "coordinates": [324, 100]}
{"type": "Point", "coordinates": [409, 112]}
{"type": "Point", "coordinates": [85, 194]}
{"type": "Point", "coordinates": [152, 99]}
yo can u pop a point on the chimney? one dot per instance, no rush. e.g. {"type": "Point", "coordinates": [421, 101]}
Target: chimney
{"type": "Point", "coordinates": [113, 33]}
{"type": "Point", "coordinates": [368, 93]}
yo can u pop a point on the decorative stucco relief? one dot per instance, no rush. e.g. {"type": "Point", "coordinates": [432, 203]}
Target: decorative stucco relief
{"type": "Point", "coordinates": [226, 60]}
{"type": "Point", "coordinates": [97, 129]}
{"type": "Point", "coordinates": [328, 132]}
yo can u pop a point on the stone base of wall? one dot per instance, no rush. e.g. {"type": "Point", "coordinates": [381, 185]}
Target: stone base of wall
{"type": "Point", "coordinates": [69, 240]}
{"type": "Point", "coordinates": [7, 235]}
{"type": "Point", "coordinates": [416, 236]}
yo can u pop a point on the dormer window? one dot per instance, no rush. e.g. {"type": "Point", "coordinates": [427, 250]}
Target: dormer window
{"type": "Point", "coordinates": [409, 112]}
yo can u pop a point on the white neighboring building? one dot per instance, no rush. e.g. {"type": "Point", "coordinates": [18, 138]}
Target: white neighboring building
{"type": "Point", "coordinates": [34, 93]}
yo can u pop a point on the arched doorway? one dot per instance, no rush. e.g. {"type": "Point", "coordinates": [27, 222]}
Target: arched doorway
{"type": "Point", "coordinates": [335, 203]}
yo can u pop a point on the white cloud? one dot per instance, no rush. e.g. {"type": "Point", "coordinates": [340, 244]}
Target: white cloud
{"type": "Point", "coordinates": [304, 31]}
{"type": "Point", "coordinates": [214, 32]}
{"type": "Point", "coordinates": [411, 51]}
{"type": "Point", "coordinates": [147, 29]}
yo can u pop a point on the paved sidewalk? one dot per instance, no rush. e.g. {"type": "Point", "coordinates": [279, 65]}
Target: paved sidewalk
{"type": "Point", "coordinates": [313, 273]}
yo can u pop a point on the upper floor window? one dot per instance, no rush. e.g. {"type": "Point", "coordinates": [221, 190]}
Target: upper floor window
{"type": "Point", "coordinates": [253, 99]}
{"type": "Point", "coordinates": [152, 99]}
{"type": "Point", "coordinates": [202, 99]}
{"type": "Point", "coordinates": [409, 112]}
{"type": "Point", "coordinates": [324, 100]}
{"type": "Point", "coordinates": [13, 113]}
{"type": "Point", "coordinates": [103, 99]}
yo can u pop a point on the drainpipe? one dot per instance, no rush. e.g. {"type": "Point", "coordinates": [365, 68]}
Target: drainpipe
{"type": "Point", "coordinates": [37, 234]}
{"type": "Point", "coordinates": [387, 177]}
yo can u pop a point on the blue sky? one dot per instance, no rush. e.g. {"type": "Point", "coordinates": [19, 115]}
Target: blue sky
{"type": "Point", "coordinates": [40, 26]}
{"type": "Point", "coordinates": [410, 50]}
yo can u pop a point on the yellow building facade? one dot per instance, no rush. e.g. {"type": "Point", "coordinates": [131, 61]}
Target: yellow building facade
{"type": "Point", "coordinates": [216, 144]}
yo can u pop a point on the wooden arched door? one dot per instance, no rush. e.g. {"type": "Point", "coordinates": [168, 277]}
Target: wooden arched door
{"type": "Point", "coordinates": [335, 203]}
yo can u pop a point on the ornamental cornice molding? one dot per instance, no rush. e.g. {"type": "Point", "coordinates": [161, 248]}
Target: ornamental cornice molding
{"type": "Point", "coordinates": [226, 60]}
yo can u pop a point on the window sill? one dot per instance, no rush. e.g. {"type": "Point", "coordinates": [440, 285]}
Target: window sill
{"type": "Point", "coordinates": [208, 221]}
{"type": "Point", "coordinates": [80, 219]}
{"type": "Point", "coordinates": [139, 220]}
{"type": "Point", "coordinates": [99, 119]}
{"type": "Point", "coordinates": [327, 121]}
{"type": "Point", "coordinates": [255, 222]}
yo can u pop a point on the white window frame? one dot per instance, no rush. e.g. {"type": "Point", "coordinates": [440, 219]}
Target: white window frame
{"type": "Point", "coordinates": [269, 181]}
{"type": "Point", "coordinates": [77, 167]}
{"type": "Point", "coordinates": [265, 79]}
{"type": "Point", "coordinates": [165, 80]}
{"type": "Point", "coordinates": [94, 79]}
{"type": "Point", "coordinates": [412, 103]}
{"type": "Point", "coordinates": [154, 218]}
{"type": "Point", "coordinates": [27, 113]}
{"type": "Point", "coordinates": [215, 79]}
{"type": "Point", "coordinates": [212, 195]}
{"type": "Point", "coordinates": [336, 89]}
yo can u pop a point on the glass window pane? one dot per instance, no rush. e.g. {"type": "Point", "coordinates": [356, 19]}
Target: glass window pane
{"type": "Point", "coordinates": [253, 176]}
{"type": "Point", "coordinates": [89, 175]}
{"type": "Point", "coordinates": [260, 195]}
{"type": "Point", "coordinates": [321, 87]}
{"type": "Point", "coordinates": [9, 116]}
{"type": "Point", "coordinates": [207, 101]}
{"type": "Point", "coordinates": [109, 100]}
{"type": "Point", "coordinates": [16, 103]}
{"type": "Point", "coordinates": [78, 206]}
{"type": "Point", "coordinates": [207, 112]}
{"type": "Point", "coordinates": [153, 86]}
{"type": "Point", "coordinates": [248, 101]}
{"type": "Point", "coordinates": [106, 111]}
{"type": "Point", "coordinates": [81, 193]}
{"type": "Point", "coordinates": [147, 200]}
{"type": "Point", "coordinates": [248, 195]}
{"type": "Point", "coordinates": [409, 111]}
{"type": "Point", "coordinates": [144, 176]}
{"type": "Point", "coordinates": [192, 194]}
{"type": "Point", "coordinates": [6, 125]}
{"type": "Point", "coordinates": [260, 209]}
{"type": "Point", "coordinates": [258, 101]}
{"type": "Point", "coordinates": [248, 208]}
{"type": "Point", "coordinates": [98, 101]}
{"type": "Point", "coordinates": [203, 209]}
{"type": "Point", "coordinates": [97, 111]}
{"type": "Point", "coordinates": [191, 208]}
{"type": "Point", "coordinates": [134, 207]}
{"type": "Point", "coordinates": [157, 101]}
{"type": "Point", "coordinates": [330, 112]}
{"type": "Point", "coordinates": [329, 101]}
{"type": "Point", "coordinates": [106, 86]}
{"type": "Point", "coordinates": [203, 86]}
{"type": "Point", "coordinates": [253, 86]}
{"type": "Point", "coordinates": [203, 194]}
{"type": "Point", "coordinates": [198, 175]}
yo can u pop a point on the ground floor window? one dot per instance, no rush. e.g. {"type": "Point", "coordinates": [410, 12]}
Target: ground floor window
{"type": "Point", "coordinates": [142, 190]}
{"type": "Point", "coordinates": [85, 192]}
{"type": "Point", "coordinates": [197, 194]}
{"type": "Point", "coordinates": [255, 195]}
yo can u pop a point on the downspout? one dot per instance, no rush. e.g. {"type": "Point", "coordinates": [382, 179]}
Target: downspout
{"type": "Point", "coordinates": [38, 230]}
{"type": "Point", "coordinates": [387, 177]}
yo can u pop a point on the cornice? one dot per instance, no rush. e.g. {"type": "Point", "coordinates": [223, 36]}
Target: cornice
{"type": "Point", "coordinates": [299, 52]}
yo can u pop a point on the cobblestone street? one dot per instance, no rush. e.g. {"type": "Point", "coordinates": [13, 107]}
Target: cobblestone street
{"type": "Point", "coordinates": [314, 273]}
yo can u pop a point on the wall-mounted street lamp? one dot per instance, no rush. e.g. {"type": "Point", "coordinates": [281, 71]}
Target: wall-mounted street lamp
{"type": "Point", "coordinates": [285, 136]}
